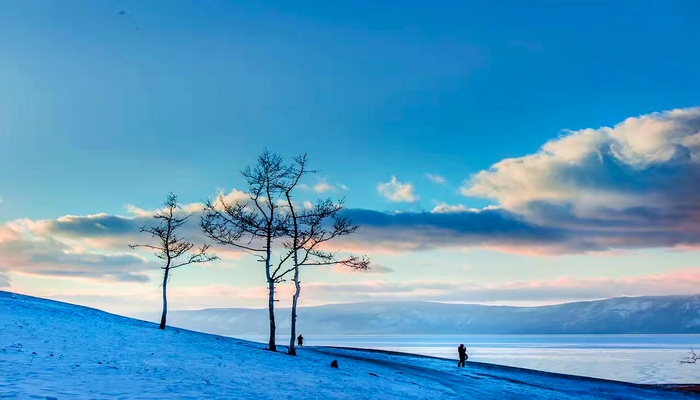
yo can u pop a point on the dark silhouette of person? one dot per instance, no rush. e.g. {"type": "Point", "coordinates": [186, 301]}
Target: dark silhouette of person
{"type": "Point", "coordinates": [462, 355]}
{"type": "Point", "coordinates": [300, 340]}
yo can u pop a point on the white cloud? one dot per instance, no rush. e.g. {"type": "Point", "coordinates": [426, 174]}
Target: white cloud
{"type": "Point", "coordinates": [438, 179]}
{"type": "Point", "coordinates": [447, 208]}
{"type": "Point", "coordinates": [323, 187]}
{"type": "Point", "coordinates": [397, 191]}
{"type": "Point", "coordinates": [232, 197]}
{"type": "Point", "coordinates": [651, 161]}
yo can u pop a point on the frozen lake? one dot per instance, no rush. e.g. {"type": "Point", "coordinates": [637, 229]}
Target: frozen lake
{"type": "Point", "coordinates": [629, 358]}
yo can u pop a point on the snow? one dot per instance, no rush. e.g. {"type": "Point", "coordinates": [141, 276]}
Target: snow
{"type": "Point", "coordinates": [57, 350]}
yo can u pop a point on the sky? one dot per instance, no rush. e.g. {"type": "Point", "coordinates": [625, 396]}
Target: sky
{"type": "Point", "coordinates": [491, 152]}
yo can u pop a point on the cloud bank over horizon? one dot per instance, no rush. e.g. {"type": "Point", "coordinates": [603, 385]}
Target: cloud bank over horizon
{"type": "Point", "coordinates": [631, 186]}
{"type": "Point", "coordinates": [535, 292]}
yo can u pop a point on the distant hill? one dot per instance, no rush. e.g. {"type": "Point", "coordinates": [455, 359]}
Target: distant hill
{"type": "Point", "coordinates": [624, 315]}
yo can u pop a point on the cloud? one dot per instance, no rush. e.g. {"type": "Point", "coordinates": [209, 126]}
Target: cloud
{"type": "Point", "coordinates": [543, 291]}
{"type": "Point", "coordinates": [93, 246]}
{"type": "Point", "coordinates": [632, 185]}
{"type": "Point", "coordinates": [4, 281]}
{"type": "Point", "coordinates": [377, 269]}
{"type": "Point", "coordinates": [640, 160]}
{"type": "Point", "coordinates": [323, 187]}
{"type": "Point", "coordinates": [97, 225]}
{"type": "Point", "coordinates": [409, 231]}
{"type": "Point", "coordinates": [590, 190]}
{"type": "Point", "coordinates": [446, 208]}
{"type": "Point", "coordinates": [626, 187]}
{"type": "Point", "coordinates": [397, 191]}
{"type": "Point", "coordinates": [111, 232]}
{"type": "Point", "coordinates": [552, 291]}
{"type": "Point", "coordinates": [47, 256]}
{"type": "Point", "coordinates": [136, 301]}
{"type": "Point", "coordinates": [438, 179]}
{"type": "Point", "coordinates": [374, 269]}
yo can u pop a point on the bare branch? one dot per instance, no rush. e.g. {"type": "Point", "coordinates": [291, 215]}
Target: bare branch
{"type": "Point", "coordinates": [198, 258]}
{"type": "Point", "coordinates": [255, 224]}
{"type": "Point", "coordinates": [171, 248]}
{"type": "Point", "coordinates": [308, 230]}
{"type": "Point", "coordinates": [692, 358]}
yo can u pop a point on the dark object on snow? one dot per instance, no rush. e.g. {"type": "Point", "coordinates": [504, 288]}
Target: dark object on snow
{"type": "Point", "coordinates": [300, 341]}
{"type": "Point", "coordinates": [334, 364]}
{"type": "Point", "coordinates": [462, 355]}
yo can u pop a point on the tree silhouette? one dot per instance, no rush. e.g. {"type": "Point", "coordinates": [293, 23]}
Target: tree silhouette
{"type": "Point", "coordinates": [253, 225]}
{"type": "Point", "coordinates": [309, 230]}
{"type": "Point", "coordinates": [173, 250]}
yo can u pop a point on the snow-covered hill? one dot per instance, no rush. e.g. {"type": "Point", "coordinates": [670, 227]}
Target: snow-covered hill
{"type": "Point", "coordinates": [662, 314]}
{"type": "Point", "coordinates": [53, 350]}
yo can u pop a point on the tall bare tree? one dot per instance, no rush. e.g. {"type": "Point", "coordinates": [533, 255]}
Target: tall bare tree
{"type": "Point", "coordinates": [309, 230]}
{"type": "Point", "coordinates": [253, 225]}
{"type": "Point", "coordinates": [173, 250]}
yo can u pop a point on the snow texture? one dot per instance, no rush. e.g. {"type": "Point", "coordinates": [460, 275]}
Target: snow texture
{"type": "Point", "coordinates": [54, 350]}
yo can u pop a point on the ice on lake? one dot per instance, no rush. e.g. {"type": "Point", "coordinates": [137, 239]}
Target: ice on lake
{"type": "Point", "coordinates": [628, 358]}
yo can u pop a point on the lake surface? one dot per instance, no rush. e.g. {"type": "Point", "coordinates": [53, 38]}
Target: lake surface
{"type": "Point", "coordinates": [629, 358]}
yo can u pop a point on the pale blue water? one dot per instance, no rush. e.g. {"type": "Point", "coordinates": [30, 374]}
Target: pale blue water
{"type": "Point", "coordinates": [630, 358]}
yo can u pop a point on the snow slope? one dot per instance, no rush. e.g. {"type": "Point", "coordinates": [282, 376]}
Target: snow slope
{"type": "Point", "coordinates": [54, 350]}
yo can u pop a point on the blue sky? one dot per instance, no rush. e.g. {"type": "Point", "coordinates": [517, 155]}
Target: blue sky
{"type": "Point", "coordinates": [110, 104]}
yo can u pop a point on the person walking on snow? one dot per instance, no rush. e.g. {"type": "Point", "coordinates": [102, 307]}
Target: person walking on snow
{"type": "Point", "coordinates": [462, 355]}
{"type": "Point", "coordinates": [300, 341]}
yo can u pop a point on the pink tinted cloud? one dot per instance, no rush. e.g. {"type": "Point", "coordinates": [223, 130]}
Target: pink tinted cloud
{"type": "Point", "coordinates": [23, 252]}
{"type": "Point", "coordinates": [685, 281]}
{"type": "Point", "coordinates": [374, 269]}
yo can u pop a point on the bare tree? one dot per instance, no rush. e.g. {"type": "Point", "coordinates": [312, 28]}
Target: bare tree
{"type": "Point", "coordinates": [309, 229]}
{"type": "Point", "coordinates": [173, 250]}
{"type": "Point", "coordinates": [252, 226]}
{"type": "Point", "coordinates": [691, 358]}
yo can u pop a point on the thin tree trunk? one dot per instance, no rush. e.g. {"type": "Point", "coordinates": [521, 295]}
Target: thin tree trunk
{"type": "Point", "coordinates": [292, 349]}
{"type": "Point", "coordinates": [271, 307]}
{"type": "Point", "coordinates": [295, 258]}
{"type": "Point", "coordinates": [268, 266]}
{"type": "Point", "coordinates": [165, 298]}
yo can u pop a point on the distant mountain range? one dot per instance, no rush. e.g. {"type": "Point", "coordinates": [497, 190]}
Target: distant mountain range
{"type": "Point", "coordinates": [624, 315]}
